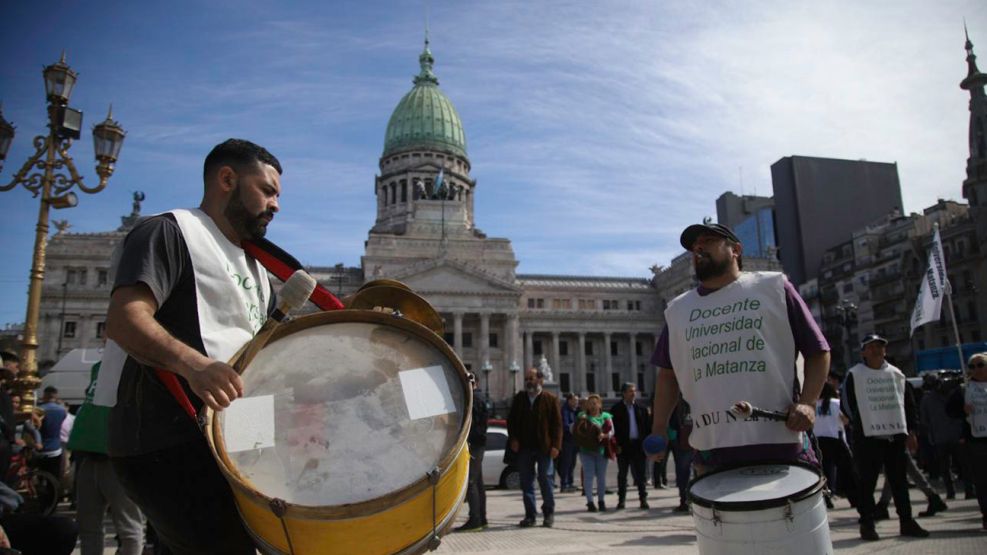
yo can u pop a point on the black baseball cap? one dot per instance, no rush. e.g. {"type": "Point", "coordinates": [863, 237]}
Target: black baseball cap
{"type": "Point", "coordinates": [872, 337]}
{"type": "Point", "coordinates": [693, 232]}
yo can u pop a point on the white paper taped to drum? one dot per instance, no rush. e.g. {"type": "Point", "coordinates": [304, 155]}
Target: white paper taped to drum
{"type": "Point", "coordinates": [426, 392]}
{"type": "Point", "coordinates": [249, 424]}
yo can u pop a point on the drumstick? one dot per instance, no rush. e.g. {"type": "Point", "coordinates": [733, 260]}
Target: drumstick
{"type": "Point", "coordinates": [743, 409]}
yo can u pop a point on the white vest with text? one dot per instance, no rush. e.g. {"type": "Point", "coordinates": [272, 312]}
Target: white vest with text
{"type": "Point", "coordinates": [976, 395]}
{"type": "Point", "coordinates": [734, 344]}
{"type": "Point", "coordinates": [232, 293]}
{"type": "Point", "coordinates": [880, 397]}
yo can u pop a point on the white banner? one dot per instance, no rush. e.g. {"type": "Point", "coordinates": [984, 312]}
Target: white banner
{"type": "Point", "coordinates": [929, 302]}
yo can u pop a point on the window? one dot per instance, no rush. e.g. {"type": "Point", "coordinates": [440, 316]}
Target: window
{"type": "Point", "coordinates": [587, 304]}
{"type": "Point", "coordinates": [564, 382]}
{"type": "Point", "coordinates": [71, 276]}
{"type": "Point", "coordinates": [637, 348]}
{"type": "Point", "coordinates": [492, 338]}
{"type": "Point", "coordinates": [449, 337]}
{"type": "Point", "coordinates": [496, 442]}
{"type": "Point", "coordinates": [563, 348]}
{"type": "Point", "coordinates": [404, 191]}
{"type": "Point", "coordinates": [536, 347]}
{"type": "Point", "coordinates": [394, 193]}
{"type": "Point", "coordinates": [615, 381]}
{"type": "Point", "coordinates": [562, 304]}
{"type": "Point", "coordinates": [100, 330]}
{"type": "Point", "coordinates": [640, 383]}
{"type": "Point", "coordinates": [536, 303]}
{"type": "Point", "coordinates": [69, 330]}
{"type": "Point", "coordinates": [614, 351]}
{"type": "Point", "coordinates": [102, 277]}
{"type": "Point", "coordinates": [591, 382]}
{"type": "Point", "coordinates": [633, 305]}
{"type": "Point", "coordinates": [588, 350]}
{"type": "Point", "coordinates": [848, 287]}
{"type": "Point", "coordinates": [611, 305]}
{"type": "Point", "coordinates": [467, 340]}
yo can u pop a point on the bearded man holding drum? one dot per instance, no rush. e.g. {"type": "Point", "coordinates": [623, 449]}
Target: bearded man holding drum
{"type": "Point", "coordinates": [735, 338]}
{"type": "Point", "coordinates": [185, 298]}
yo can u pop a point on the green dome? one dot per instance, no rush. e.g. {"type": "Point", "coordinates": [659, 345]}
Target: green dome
{"type": "Point", "coordinates": [425, 118]}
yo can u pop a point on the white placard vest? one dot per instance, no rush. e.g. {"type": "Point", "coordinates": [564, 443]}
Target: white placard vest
{"type": "Point", "coordinates": [880, 397]}
{"type": "Point", "coordinates": [976, 395]}
{"type": "Point", "coordinates": [232, 293]}
{"type": "Point", "coordinates": [734, 344]}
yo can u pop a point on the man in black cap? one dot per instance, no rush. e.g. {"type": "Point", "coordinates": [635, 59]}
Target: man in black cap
{"type": "Point", "coordinates": [735, 338]}
{"type": "Point", "coordinates": [883, 417]}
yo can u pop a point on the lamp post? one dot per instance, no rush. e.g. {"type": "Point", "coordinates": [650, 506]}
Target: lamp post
{"type": "Point", "coordinates": [41, 175]}
{"type": "Point", "coordinates": [514, 370]}
{"type": "Point", "coordinates": [846, 311]}
{"type": "Point", "coordinates": [487, 367]}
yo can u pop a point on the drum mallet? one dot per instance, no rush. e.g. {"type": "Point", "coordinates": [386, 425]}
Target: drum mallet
{"type": "Point", "coordinates": [654, 444]}
{"type": "Point", "coordinates": [743, 409]}
{"type": "Point", "coordinates": [297, 289]}
{"type": "Point", "coordinates": [295, 292]}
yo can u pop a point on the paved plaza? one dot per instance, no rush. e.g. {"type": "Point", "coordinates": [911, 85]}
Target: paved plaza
{"type": "Point", "coordinates": [659, 530]}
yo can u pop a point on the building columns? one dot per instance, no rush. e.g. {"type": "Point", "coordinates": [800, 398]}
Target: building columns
{"type": "Point", "coordinates": [633, 346]}
{"type": "Point", "coordinates": [556, 357]}
{"type": "Point", "coordinates": [529, 351]}
{"type": "Point", "coordinates": [608, 363]}
{"type": "Point", "coordinates": [579, 380]}
{"type": "Point", "coordinates": [457, 332]}
{"type": "Point", "coordinates": [484, 340]}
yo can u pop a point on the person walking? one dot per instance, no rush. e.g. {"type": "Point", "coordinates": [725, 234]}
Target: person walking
{"type": "Point", "coordinates": [570, 451]}
{"type": "Point", "coordinates": [630, 425]}
{"type": "Point", "coordinates": [476, 495]}
{"type": "Point", "coordinates": [971, 401]}
{"type": "Point", "coordinates": [884, 419]}
{"type": "Point", "coordinates": [593, 430]}
{"type": "Point", "coordinates": [837, 462]}
{"type": "Point", "coordinates": [534, 431]}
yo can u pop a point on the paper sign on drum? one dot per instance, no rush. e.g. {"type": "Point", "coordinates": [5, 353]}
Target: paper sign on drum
{"type": "Point", "coordinates": [426, 392]}
{"type": "Point", "coordinates": [249, 424]}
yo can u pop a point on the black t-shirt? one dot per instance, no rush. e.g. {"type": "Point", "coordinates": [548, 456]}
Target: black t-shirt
{"type": "Point", "coordinates": [146, 417]}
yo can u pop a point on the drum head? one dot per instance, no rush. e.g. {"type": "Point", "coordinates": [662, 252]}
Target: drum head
{"type": "Point", "coordinates": [755, 487]}
{"type": "Point", "coordinates": [360, 410]}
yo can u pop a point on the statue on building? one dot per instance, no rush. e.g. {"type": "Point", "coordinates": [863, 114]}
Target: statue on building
{"type": "Point", "coordinates": [62, 226]}
{"type": "Point", "coordinates": [128, 222]}
{"type": "Point", "coordinates": [545, 370]}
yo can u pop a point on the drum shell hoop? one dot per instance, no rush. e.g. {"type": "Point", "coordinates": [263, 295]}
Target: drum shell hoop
{"type": "Point", "coordinates": [760, 504]}
{"type": "Point", "coordinates": [371, 506]}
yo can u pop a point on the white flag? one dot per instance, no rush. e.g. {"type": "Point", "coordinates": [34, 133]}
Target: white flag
{"type": "Point", "coordinates": [934, 285]}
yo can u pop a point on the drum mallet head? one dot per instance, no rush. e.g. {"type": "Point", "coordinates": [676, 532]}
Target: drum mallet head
{"type": "Point", "coordinates": [654, 444]}
{"type": "Point", "coordinates": [297, 289]}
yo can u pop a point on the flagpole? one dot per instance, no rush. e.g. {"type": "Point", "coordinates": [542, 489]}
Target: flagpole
{"type": "Point", "coordinates": [956, 329]}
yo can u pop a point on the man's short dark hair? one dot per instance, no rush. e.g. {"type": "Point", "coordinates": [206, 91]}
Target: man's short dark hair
{"type": "Point", "coordinates": [238, 154]}
{"type": "Point", "coordinates": [627, 385]}
{"type": "Point", "coordinates": [51, 390]}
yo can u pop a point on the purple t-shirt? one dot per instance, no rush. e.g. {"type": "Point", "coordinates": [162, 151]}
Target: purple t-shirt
{"type": "Point", "coordinates": [809, 340]}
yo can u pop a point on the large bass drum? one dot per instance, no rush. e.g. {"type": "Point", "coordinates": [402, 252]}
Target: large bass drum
{"type": "Point", "coordinates": [350, 437]}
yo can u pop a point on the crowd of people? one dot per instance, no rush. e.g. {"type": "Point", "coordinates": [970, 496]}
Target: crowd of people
{"type": "Point", "coordinates": [186, 296]}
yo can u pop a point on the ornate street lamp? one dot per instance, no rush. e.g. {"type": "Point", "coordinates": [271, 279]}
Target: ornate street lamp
{"type": "Point", "coordinates": [41, 175]}
{"type": "Point", "coordinates": [846, 311]}
{"type": "Point", "coordinates": [486, 368]}
{"type": "Point", "coordinates": [514, 370]}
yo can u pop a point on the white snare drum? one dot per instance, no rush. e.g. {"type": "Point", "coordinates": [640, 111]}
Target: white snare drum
{"type": "Point", "coordinates": [767, 508]}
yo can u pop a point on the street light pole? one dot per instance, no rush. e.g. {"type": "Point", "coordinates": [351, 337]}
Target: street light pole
{"type": "Point", "coordinates": [514, 370]}
{"type": "Point", "coordinates": [847, 312]}
{"type": "Point", "coordinates": [50, 157]}
{"type": "Point", "coordinates": [487, 367]}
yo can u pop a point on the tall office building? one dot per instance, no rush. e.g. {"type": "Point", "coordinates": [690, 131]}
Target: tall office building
{"type": "Point", "coordinates": [820, 201]}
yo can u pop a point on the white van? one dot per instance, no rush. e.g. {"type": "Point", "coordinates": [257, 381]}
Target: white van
{"type": "Point", "coordinates": [71, 374]}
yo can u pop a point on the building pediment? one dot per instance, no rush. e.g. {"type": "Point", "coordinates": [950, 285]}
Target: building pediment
{"type": "Point", "coordinates": [446, 276]}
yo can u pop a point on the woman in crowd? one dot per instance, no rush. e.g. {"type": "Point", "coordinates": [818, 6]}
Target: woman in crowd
{"type": "Point", "coordinates": [971, 402]}
{"type": "Point", "coordinates": [836, 458]}
{"type": "Point", "coordinates": [593, 429]}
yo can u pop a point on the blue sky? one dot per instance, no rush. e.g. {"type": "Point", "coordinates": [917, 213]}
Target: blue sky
{"type": "Point", "coordinates": [596, 130]}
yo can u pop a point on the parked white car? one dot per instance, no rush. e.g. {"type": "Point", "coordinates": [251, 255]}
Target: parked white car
{"type": "Point", "coordinates": [495, 472]}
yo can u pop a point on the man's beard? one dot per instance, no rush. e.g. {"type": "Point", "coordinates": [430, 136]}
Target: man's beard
{"type": "Point", "coordinates": [707, 268]}
{"type": "Point", "coordinates": [246, 225]}
{"type": "Point", "coordinates": [532, 388]}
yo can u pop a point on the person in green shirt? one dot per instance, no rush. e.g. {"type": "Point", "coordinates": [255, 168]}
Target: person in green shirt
{"type": "Point", "coordinates": [96, 483]}
{"type": "Point", "coordinates": [593, 429]}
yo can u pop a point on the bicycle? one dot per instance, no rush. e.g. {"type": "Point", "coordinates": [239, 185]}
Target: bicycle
{"type": "Point", "coordinates": [40, 489]}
